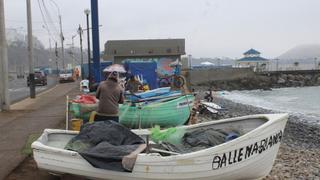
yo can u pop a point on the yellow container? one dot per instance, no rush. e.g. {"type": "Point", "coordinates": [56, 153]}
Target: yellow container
{"type": "Point", "coordinates": [76, 124]}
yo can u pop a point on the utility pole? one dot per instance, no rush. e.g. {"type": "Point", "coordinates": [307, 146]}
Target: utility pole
{"type": "Point", "coordinates": [56, 52]}
{"type": "Point", "coordinates": [190, 61]}
{"type": "Point", "coordinates": [81, 53]}
{"type": "Point", "coordinates": [277, 64]}
{"type": "Point", "coordinates": [62, 39]}
{"type": "Point", "coordinates": [30, 52]}
{"type": "Point", "coordinates": [50, 53]}
{"type": "Point", "coordinates": [315, 63]}
{"type": "Point", "coordinates": [4, 92]}
{"type": "Point", "coordinates": [73, 58]}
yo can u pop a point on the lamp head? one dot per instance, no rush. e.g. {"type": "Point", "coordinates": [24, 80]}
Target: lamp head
{"type": "Point", "coordinates": [87, 11]}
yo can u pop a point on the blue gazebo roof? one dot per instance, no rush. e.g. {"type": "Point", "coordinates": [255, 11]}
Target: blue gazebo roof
{"type": "Point", "coordinates": [252, 59]}
{"type": "Point", "coordinates": [251, 51]}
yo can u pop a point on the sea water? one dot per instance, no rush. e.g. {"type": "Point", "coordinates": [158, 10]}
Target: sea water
{"type": "Point", "coordinates": [302, 101]}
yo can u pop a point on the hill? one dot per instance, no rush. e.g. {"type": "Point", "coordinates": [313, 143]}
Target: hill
{"type": "Point", "coordinates": [308, 51]}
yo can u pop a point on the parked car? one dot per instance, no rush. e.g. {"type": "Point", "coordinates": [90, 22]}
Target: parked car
{"type": "Point", "coordinates": [66, 76]}
{"type": "Point", "coordinates": [40, 78]}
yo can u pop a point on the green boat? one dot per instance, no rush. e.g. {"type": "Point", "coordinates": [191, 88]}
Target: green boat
{"type": "Point", "coordinates": [168, 112]}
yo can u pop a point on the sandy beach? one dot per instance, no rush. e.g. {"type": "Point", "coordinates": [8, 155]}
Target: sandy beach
{"type": "Point", "coordinates": [299, 154]}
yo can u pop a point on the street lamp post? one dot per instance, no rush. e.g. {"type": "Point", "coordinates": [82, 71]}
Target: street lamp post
{"type": "Point", "coordinates": [87, 12]}
{"type": "Point", "coordinates": [80, 31]}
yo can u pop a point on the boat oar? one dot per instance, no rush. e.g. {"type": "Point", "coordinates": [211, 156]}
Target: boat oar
{"type": "Point", "coordinates": [163, 151]}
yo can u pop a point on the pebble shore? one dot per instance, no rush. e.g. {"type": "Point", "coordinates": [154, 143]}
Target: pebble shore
{"type": "Point", "coordinates": [299, 154]}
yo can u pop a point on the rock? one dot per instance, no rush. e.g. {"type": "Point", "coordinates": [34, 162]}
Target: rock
{"type": "Point", "coordinates": [281, 81]}
{"type": "Point", "coordinates": [291, 77]}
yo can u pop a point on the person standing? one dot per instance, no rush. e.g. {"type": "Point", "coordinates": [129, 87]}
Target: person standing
{"type": "Point", "coordinates": [133, 84]}
{"type": "Point", "coordinates": [110, 95]}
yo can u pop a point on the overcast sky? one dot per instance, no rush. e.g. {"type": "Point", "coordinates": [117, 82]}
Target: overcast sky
{"type": "Point", "coordinates": [212, 28]}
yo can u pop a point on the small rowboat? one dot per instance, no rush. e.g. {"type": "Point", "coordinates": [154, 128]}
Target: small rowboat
{"type": "Point", "coordinates": [159, 93]}
{"type": "Point", "coordinates": [211, 105]}
{"type": "Point", "coordinates": [165, 112]}
{"type": "Point", "coordinates": [249, 156]}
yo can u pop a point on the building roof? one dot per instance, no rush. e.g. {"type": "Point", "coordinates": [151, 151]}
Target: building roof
{"type": "Point", "coordinates": [251, 51]}
{"type": "Point", "coordinates": [145, 47]}
{"type": "Point", "coordinates": [252, 59]}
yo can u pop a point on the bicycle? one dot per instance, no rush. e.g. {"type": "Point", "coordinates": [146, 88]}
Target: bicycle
{"type": "Point", "coordinates": [176, 80]}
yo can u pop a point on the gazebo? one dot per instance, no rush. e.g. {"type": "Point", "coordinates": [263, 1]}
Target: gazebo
{"type": "Point", "coordinates": [252, 59]}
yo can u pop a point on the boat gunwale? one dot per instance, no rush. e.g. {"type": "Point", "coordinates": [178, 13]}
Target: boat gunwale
{"type": "Point", "coordinates": [171, 99]}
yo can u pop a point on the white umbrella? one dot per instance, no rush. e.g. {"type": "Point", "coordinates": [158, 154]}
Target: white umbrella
{"type": "Point", "coordinates": [115, 67]}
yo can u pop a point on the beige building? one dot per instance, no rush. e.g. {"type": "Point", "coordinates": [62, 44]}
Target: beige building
{"type": "Point", "coordinates": [162, 51]}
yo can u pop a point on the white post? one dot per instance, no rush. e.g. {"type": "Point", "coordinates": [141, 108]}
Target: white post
{"type": "Point", "coordinates": [67, 113]}
{"type": "Point", "coordinates": [4, 92]}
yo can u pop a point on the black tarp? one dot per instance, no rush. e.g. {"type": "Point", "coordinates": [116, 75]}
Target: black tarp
{"type": "Point", "coordinates": [104, 144]}
{"type": "Point", "coordinates": [200, 139]}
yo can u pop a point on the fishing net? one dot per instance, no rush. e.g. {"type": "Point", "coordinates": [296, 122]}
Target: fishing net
{"type": "Point", "coordinates": [82, 111]}
{"type": "Point", "coordinates": [171, 135]}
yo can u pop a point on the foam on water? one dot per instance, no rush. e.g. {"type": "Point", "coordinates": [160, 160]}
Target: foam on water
{"type": "Point", "coordinates": [304, 101]}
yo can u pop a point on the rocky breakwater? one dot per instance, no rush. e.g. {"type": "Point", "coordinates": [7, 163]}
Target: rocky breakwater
{"type": "Point", "coordinates": [266, 82]}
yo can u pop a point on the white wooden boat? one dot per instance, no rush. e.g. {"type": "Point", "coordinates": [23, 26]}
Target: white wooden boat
{"type": "Point", "coordinates": [211, 105]}
{"type": "Point", "coordinates": [212, 110]}
{"type": "Point", "coordinates": [249, 156]}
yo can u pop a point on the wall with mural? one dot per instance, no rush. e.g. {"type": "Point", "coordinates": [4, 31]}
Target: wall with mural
{"type": "Point", "coordinates": [163, 67]}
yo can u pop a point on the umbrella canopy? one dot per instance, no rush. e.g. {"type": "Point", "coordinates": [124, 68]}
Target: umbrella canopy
{"type": "Point", "coordinates": [115, 67]}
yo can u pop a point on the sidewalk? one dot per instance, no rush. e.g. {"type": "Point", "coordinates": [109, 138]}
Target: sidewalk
{"type": "Point", "coordinates": [27, 117]}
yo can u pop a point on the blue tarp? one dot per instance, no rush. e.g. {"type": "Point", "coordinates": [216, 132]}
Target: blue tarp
{"type": "Point", "coordinates": [145, 69]}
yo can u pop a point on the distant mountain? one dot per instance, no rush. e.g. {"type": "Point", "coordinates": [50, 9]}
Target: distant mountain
{"type": "Point", "coordinates": [308, 51]}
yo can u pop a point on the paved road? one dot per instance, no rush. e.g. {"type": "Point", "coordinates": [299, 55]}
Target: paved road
{"type": "Point", "coordinates": [18, 88]}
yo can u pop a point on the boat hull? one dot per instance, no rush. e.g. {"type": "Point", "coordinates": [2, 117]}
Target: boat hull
{"type": "Point", "coordinates": [250, 156]}
{"type": "Point", "coordinates": [165, 114]}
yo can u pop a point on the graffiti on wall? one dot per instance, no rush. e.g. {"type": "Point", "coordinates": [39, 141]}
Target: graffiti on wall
{"type": "Point", "coordinates": [163, 67]}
